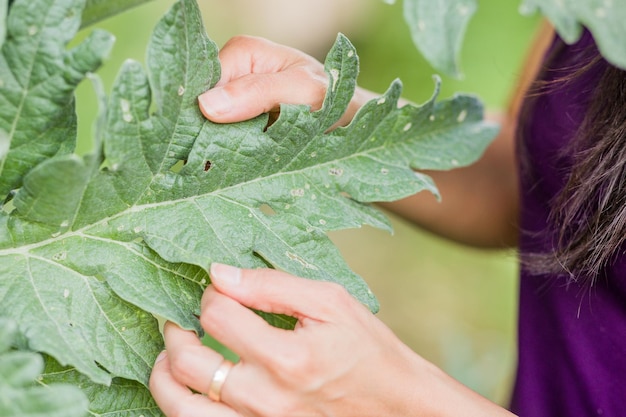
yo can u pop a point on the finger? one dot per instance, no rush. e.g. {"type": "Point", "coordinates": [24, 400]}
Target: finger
{"type": "Point", "coordinates": [254, 94]}
{"type": "Point", "coordinates": [191, 363]}
{"type": "Point", "coordinates": [243, 55]}
{"type": "Point", "coordinates": [258, 75]}
{"type": "Point", "coordinates": [239, 328]}
{"type": "Point", "coordinates": [175, 399]}
{"type": "Point", "coordinates": [274, 291]}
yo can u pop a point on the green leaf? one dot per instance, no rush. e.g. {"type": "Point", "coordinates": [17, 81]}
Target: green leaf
{"type": "Point", "coordinates": [8, 333]}
{"type": "Point", "coordinates": [97, 10]}
{"type": "Point", "coordinates": [605, 19]}
{"type": "Point", "coordinates": [20, 396]}
{"type": "Point", "coordinates": [122, 398]}
{"type": "Point", "coordinates": [438, 28]}
{"type": "Point", "coordinates": [97, 245]}
{"type": "Point", "coordinates": [4, 8]}
{"type": "Point", "coordinates": [38, 77]}
{"type": "Point", "coordinates": [4, 144]}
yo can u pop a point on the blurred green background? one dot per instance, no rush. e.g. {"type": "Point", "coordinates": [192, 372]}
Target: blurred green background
{"type": "Point", "coordinates": [454, 305]}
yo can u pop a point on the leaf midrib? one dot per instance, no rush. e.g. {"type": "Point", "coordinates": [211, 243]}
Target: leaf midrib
{"type": "Point", "coordinates": [83, 232]}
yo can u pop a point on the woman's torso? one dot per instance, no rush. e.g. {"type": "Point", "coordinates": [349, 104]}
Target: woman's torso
{"type": "Point", "coordinates": [572, 336]}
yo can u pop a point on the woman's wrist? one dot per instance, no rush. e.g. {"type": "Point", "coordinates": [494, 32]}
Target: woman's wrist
{"type": "Point", "coordinates": [429, 392]}
{"type": "Point", "coordinates": [456, 399]}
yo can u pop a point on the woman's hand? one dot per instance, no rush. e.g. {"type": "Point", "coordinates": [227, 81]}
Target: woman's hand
{"type": "Point", "coordinates": [258, 75]}
{"type": "Point", "coordinates": [338, 361]}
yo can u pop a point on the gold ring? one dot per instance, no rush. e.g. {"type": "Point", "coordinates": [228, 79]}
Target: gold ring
{"type": "Point", "coordinates": [219, 377]}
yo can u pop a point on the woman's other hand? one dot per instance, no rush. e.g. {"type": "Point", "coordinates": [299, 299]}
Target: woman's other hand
{"type": "Point", "coordinates": [338, 361]}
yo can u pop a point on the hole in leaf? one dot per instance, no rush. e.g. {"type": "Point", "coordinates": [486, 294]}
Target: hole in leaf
{"type": "Point", "coordinates": [7, 206]}
{"type": "Point", "coordinates": [178, 166]}
{"type": "Point", "coordinates": [272, 116]}
{"type": "Point", "coordinates": [267, 210]}
{"type": "Point", "coordinates": [263, 259]}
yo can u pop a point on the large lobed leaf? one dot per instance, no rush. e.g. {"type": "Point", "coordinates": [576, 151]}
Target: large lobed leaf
{"type": "Point", "coordinates": [92, 248]}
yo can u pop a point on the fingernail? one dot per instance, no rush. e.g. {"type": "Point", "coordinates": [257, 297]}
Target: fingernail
{"type": "Point", "coordinates": [225, 274]}
{"type": "Point", "coordinates": [216, 102]}
{"type": "Point", "coordinates": [161, 356]}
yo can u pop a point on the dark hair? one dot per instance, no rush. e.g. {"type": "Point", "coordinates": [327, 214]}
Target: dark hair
{"type": "Point", "coordinates": [588, 216]}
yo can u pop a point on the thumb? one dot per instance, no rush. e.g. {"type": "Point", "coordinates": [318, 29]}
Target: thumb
{"type": "Point", "coordinates": [251, 95]}
{"type": "Point", "coordinates": [277, 292]}
{"type": "Point", "coordinates": [236, 101]}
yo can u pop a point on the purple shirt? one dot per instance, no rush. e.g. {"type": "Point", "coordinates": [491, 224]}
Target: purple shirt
{"type": "Point", "coordinates": [572, 337]}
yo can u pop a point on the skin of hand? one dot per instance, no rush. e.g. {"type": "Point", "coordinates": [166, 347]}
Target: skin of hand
{"type": "Point", "coordinates": [340, 360]}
